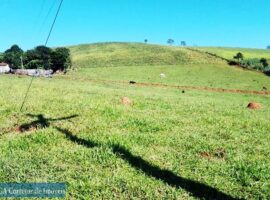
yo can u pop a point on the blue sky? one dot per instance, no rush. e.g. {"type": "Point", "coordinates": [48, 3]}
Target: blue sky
{"type": "Point", "coordinates": [237, 23]}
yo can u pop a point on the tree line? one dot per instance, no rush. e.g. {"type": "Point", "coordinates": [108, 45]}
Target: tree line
{"type": "Point", "coordinates": [170, 42]}
{"type": "Point", "coordinates": [41, 57]}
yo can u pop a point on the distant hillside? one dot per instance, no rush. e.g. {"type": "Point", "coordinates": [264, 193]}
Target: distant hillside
{"type": "Point", "coordinates": [135, 54]}
{"type": "Point", "coordinates": [229, 53]}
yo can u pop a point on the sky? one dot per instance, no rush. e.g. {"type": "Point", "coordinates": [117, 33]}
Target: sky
{"type": "Point", "coordinates": [232, 23]}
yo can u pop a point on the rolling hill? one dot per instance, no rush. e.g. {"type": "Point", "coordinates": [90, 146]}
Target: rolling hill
{"type": "Point", "coordinates": [144, 63]}
{"type": "Point", "coordinates": [135, 54]}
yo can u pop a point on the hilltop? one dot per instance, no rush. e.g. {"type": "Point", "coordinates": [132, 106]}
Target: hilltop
{"type": "Point", "coordinates": [135, 54]}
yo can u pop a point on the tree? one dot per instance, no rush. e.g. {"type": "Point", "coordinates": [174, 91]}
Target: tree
{"type": "Point", "coordinates": [44, 55]}
{"type": "Point", "coordinates": [31, 60]}
{"type": "Point", "coordinates": [239, 56]}
{"type": "Point", "coordinates": [14, 49]}
{"type": "Point", "coordinates": [40, 57]}
{"type": "Point", "coordinates": [46, 58]}
{"type": "Point", "coordinates": [264, 62]}
{"type": "Point", "coordinates": [170, 41]}
{"type": "Point", "coordinates": [60, 59]}
{"type": "Point", "coordinates": [1, 57]}
{"type": "Point", "coordinates": [29, 56]}
{"type": "Point", "coordinates": [268, 47]}
{"type": "Point", "coordinates": [12, 59]}
{"type": "Point", "coordinates": [12, 56]}
{"type": "Point", "coordinates": [34, 64]}
{"type": "Point", "coordinates": [183, 43]}
{"type": "Point", "coordinates": [146, 41]}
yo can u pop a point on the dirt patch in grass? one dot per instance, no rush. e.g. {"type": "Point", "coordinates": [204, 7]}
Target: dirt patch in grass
{"type": "Point", "coordinates": [23, 129]}
{"type": "Point", "coordinates": [254, 106]}
{"type": "Point", "coordinates": [126, 101]}
{"type": "Point", "coordinates": [206, 155]}
{"type": "Point", "coordinates": [207, 89]}
{"type": "Point", "coordinates": [219, 153]}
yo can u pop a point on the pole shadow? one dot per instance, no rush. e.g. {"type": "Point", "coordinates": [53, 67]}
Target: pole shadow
{"type": "Point", "coordinates": [195, 188]}
{"type": "Point", "coordinates": [40, 122]}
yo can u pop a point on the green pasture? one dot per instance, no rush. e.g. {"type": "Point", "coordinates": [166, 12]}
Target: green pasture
{"type": "Point", "coordinates": [166, 145]}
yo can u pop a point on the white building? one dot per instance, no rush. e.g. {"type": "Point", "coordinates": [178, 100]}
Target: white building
{"type": "Point", "coordinates": [4, 68]}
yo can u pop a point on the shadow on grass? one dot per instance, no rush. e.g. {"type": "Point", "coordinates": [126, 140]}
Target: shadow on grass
{"type": "Point", "coordinates": [197, 189]}
{"type": "Point", "coordinates": [267, 73]}
{"type": "Point", "coordinates": [40, 122]}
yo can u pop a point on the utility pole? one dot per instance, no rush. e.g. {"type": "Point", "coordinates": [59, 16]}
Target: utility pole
{"type": "Point", "coordinates": [22, 62]}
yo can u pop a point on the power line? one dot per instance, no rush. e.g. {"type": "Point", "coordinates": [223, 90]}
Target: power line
{"type": "Point", "coordinates": [41, 8]}
{"type": "Point", "coordinates": [39, 15]}
{"type": "Point", "coordinates": [47, 15]}
{"type": "Point", "coordinates": [48, 37]}
{"type": "Point", "coordinates": [57, 13]}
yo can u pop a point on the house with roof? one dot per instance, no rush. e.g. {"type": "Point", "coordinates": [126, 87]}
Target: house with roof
{"type": "Point", "coordinates": [4, 68]}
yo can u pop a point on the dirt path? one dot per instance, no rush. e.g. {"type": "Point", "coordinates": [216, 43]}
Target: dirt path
{"type": "Point", "coordinates": [202, 88]}
{"type": "Point", "coordinates": [182, 87]}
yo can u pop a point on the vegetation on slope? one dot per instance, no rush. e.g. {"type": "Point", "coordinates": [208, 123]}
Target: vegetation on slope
{"type": "Point", "coordinates": [134, 54]}
{"type": "Point", "coordinates": [229, 53]}
{"type": "Point", "coordinates": [236, 57]}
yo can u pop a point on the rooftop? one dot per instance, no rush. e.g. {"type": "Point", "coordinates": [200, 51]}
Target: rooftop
{"type": "Point", "coordinates": [3, 64]}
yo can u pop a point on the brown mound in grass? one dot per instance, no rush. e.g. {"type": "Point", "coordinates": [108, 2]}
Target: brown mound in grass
{"type": "Point", "coordinates": [254, 106]}
{"type": "Point", "coordinates": [205, 154]}
{"type": "Point", "coordinates": [22, 129]}
{"type": "Point", "coordinates": [126, 101]}
{"type": "Point", "coordinates": [220, 153]}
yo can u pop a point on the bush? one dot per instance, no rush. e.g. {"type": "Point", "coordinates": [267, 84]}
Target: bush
{"type": "Point", "coordinates": [34, 64]}
{"type": "Point", "coordinates": [267, 72]}
{"type": "Point", "coordinates": [255, 63]}
{"type": "Point", "coordinates": [264, 62]}
{"type": "Point", "coordinates": [232, 62]}
{"type": "Point", "coordinates": [60, 59]}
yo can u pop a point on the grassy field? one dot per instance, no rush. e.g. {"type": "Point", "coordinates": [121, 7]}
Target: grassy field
{"type": "Point", "coordinates": [166, 145]}
{"type": "Point", "coordinates": [211, 75]}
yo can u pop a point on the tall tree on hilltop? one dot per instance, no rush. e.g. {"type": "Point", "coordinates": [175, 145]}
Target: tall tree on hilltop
{"type": "Point", "coordinates": [170, 41]}
{"type": "Point", "coordinates": [183, 43]}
